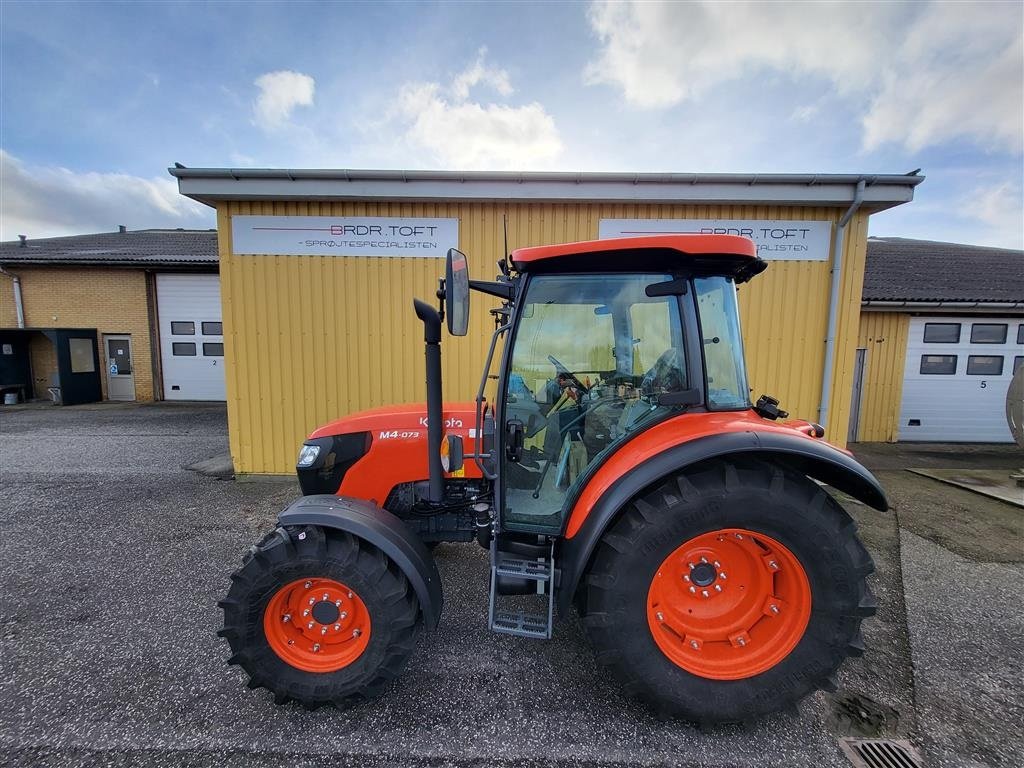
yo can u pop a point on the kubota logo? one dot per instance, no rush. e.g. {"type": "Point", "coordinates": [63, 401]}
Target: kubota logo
{"type": "Point", "coordinates": [449, 423]}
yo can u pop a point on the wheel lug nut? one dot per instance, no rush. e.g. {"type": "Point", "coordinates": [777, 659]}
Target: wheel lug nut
{"type": "Point", "coordinates": [316, 647]}
{"type": "Point", "coordinates": [722, 575]}
{"type": "Point", "coordinates": [356, 632]}
{"type": "Point", "coordinates": [286, 618]}
{"type": "Point", "coordinates": [337, 627]}
{"type": "Point", "coordinates": [344, 614]}
{"type": "Point", "coordinates": [349, 595]}
{"type": "Point", "coordinates": [717, 564]}
{"type": "Point", "coordinates": [718, 587]}
{"type": "Point", "coordinates": [739, 535]}
{"type": "Point", "coordinates": [305, 612]}
{"type": "Point", "coordinates": [660, 616]}
{"type": "Point", "coordinates": [310, 625]}
{"type": "Point", "coordinates": [693, 590]}
{"type": "Point", "coordinates": [703, 559]}
{"type": "Point", "coordinates": [773, 565]}
{"type": "Point", "coordinates": [308, 584]}
{"type": "Point", "coordinates": [325, 596]}
{"type": "Point", "coordinates": [686, 577]}
{"type": "Point", "coordinates": [323, 630]}
{"type": "Point", "coordinates": [312, 600]}
{"type": "Point", "coordinates": [773, 608]}
{"type": "Point", "coordinates": [695, 645]}
{"type": "Point", "coordinates": [337, 603]}
{"type": "Point", "coordinates": [705, 593]}
{"type": "Point", "coordinates": [692, 566]}
{"type": "Point", "coordinates": [741, 641]}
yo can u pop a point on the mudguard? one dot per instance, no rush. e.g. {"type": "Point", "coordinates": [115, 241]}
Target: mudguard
{"type": "Point", "coordinates": [382, 529]}
{"type": "Point", "coordinates": [817, 460]}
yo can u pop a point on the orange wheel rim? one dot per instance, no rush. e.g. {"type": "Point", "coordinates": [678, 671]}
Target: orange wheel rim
{"type": "Point", "coordinates": [317, 625]}
{"type": "Point", "coordinates": [729, 604]}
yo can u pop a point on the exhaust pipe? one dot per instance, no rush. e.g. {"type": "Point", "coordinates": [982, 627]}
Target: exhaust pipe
{"type": "Point", "coordinates": [435, 417]}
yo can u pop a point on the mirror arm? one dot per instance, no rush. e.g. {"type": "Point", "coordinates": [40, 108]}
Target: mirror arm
{"type": "Point", "coordinates": [441, 295]}
{"type": "Point", "coordinates": [505, 291]}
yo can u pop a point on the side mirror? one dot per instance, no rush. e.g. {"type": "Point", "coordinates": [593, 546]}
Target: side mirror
{"type": "Point", "coordinates": [456, 292]}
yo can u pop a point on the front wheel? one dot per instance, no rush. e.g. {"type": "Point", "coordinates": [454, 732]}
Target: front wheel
{"type": "Point", "coordinates": [728, 592]}
{"type": "Point", "coordinates": [319, 617]}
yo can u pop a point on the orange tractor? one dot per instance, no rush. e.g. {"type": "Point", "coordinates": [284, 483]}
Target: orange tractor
{"type": "Point", "coordinates": [621, 469]}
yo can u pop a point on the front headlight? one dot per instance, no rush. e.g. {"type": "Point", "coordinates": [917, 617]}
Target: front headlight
{"type": "Point", "coordinates": [307, 455]}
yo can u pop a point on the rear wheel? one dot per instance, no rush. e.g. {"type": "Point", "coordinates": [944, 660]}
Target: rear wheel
{"type": "Point", "coordinates": [728, 592]}
{"type": "Point", "coordinates": [319, 617]}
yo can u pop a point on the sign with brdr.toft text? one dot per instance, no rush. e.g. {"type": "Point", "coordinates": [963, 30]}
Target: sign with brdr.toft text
{"type": "Point", "coordinates": [343, 236]}
{"type": "Point", "coordinates": [775, 240]}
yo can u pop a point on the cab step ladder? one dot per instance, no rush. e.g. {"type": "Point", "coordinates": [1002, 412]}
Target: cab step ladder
{"type": "Point", "coordinates": [517, 621]}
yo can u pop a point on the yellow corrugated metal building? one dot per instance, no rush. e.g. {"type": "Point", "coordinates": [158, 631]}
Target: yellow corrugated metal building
{"type": "Point", "coordinates": [309, 338]}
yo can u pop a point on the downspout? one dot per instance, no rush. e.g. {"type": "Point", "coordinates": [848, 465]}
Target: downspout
{"type": "Point", "coordinates": [19, 307]}
{"type": "Point", "coordinates": [833, 302]}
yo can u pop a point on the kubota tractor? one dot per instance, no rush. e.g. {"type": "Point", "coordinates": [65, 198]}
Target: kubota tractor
{"type": "Point", "coordinates": [621, 469]}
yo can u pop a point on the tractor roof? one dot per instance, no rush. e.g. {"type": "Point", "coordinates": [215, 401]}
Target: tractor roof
{"type": "Point", "coordinates": [707, 254]}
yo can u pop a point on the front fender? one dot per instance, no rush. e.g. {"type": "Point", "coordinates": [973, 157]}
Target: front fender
{"type": "Point", "coordinates": [817, 460]}
{"type": "Point", "coordinates": [385, 531]}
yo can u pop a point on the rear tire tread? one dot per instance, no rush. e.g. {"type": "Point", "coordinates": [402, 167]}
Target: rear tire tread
{"type": "Point", "coordinates": [602, 593]}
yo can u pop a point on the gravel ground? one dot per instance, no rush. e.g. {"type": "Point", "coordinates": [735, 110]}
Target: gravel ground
{"type": "Point", "coordinates": [112, 558]}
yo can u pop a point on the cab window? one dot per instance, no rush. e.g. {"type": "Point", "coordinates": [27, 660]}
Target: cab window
{"type": "Point", "coordinates": [591, 356]}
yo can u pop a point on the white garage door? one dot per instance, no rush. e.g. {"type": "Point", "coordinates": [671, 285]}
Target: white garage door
{"type": "Point", "coordinates": [191, 336]}
{"type": "Point", "coordinates": [957, 373]}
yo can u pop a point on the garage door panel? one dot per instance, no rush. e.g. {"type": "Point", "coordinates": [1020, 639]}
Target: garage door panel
{"type": "Point", "coordinates": [191, 337]}
{"type": "Point", "coordinates": [958, 406]}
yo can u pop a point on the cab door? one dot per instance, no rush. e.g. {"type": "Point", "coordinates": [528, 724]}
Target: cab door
{"type": "Point", "coordinates": [589, 357]}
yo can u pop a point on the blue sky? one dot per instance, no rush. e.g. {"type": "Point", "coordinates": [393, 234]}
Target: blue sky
{"type": "Point", "coordinates": [98, 99]}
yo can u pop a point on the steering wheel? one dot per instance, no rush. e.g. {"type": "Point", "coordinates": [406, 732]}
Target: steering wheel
{"type": "Point", "coordinates": [571, 376]}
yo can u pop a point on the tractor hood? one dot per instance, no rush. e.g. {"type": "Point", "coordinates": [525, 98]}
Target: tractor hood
{"type": "Point", "coordinates": [365, 455]}
{"type": "Point", "coordinates": [458, 418]}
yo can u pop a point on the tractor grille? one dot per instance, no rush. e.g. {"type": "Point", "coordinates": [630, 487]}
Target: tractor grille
{"type": "Point", "coordinates": [880, 753]}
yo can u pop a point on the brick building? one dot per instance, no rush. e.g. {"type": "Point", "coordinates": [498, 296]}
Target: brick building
{"type": "Point", "coordinates": [108, 285]}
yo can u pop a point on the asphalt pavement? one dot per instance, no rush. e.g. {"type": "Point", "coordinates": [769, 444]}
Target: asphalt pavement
{"type": "Point", "coordinates": [112, 558]}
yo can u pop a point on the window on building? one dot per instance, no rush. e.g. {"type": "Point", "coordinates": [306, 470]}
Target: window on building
{"type": "Point", "coordinates": [183, 328]}
{"type": "Point", "coordinates": [213, 349]}
{"type": "Point", "coordinates": [183, 349]}
{"type": "Point", "coordinates": [212, 329]}
{"type": "Point", "coordinates": [1018, 361]}
{"type": "Point", "coordinates": [988, 333]}
{"type": "Point", "coordinates": [83, 359]}
{"type": "Point", "coordinates": [985, 365]}
{"type": "Point", "coordinates": [941, 333]}
{"type": "Point", "coordinates": [1020, 333]}
{"type": "Point", "coordinates": [944, 365]}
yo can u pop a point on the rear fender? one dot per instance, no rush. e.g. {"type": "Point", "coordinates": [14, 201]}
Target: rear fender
{"type": "Point", "coordinates": [817, 460]}
{"type": "Point", "coordinates": [379, 527]}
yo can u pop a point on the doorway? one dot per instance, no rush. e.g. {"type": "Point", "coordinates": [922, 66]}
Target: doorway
{"type": "Point", "coordinates": [120, 377]}
{"type": "Point", "coordinates": [857, 395]}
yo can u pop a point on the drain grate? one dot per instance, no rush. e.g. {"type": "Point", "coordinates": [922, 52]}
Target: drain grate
{"type": "Point", "coordinates": [881, 753]}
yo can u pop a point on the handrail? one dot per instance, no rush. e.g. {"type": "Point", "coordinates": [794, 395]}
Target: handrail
{"type": "Point", "coordinates": [480, 401]}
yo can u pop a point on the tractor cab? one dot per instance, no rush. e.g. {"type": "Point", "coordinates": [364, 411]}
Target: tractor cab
{"type": "Point", "coordinates": [606, 339]}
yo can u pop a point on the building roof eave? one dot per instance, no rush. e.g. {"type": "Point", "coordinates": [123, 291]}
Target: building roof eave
{"type": "Point", "coordinates": [213, 185]}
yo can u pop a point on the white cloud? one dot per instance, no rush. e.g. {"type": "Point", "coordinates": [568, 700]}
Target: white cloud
{"type": "Point", "coordinates": [805, 113]}
{"type": "Point", "coordinates": [280, 93]}
{"type": "Point", "coordinates": [959, 72]}
{"type": "Point", "coordinates": [49, 201]}
{"type": "Point", "coordinates": [478, 73]}
{"type": "Point", "coordinates": [926, 73]}
{"type": "Point", "coordinates": [1000, 210]}
{"type": "Point", "coordinates": [458, 132]}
